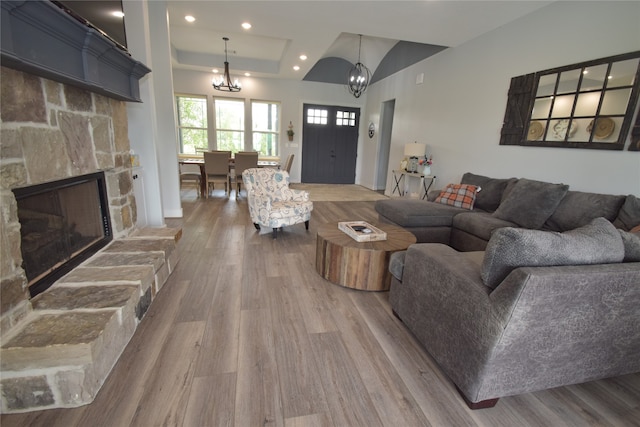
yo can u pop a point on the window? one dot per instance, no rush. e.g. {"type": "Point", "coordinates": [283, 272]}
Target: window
{"type": "Point", "coordinates": [345, 118]}
{"type": "Point", "coordinates": [317, 116]}
{"type": "Point", "coordinates": [266, 125]}
{"type": "Point", "coordinates": [586, 105]}
{"type": "Point", "coordinates": [229, 124]}
{"type": "Point", "coordinates": [192, 123]}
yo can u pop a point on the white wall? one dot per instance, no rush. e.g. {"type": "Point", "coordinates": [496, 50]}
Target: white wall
{"type": "Point", "coordinates": [459, 109]}
{"type": "Point", "coordinates": [292, 94]}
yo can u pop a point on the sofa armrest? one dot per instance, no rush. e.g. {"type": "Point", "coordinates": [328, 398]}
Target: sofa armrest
{"type": "Point", "coordinates": [541, 327]}
{"type": "Point", "coordinates": [442, 290]}
{"type": "Point", "coordinates": [566, 325]}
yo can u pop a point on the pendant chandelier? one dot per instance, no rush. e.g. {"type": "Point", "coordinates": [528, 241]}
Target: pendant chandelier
{"type": "Point", "coordinates": [359, 76]}
{"type": "Point", "coordinates": [224, 83]}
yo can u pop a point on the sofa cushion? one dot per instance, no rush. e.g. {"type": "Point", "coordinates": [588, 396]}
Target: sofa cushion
{"type": "Point", "coordinates": [458, 195]}
{"type": "Point", "coordinates": [417, 213]}
{"type": "Point", "coordinates": [629, 215]}
{"type": "Point", "coordinates": [488, 199]}
{"type": "Point", "coordinates": [595, 243]}
{"type": "Point", "coordinates": [396, 264]}
{"type": "Point", "coordinates": [577, 209]}
{"type": "Point", "coordinates": [530, 203]}
{"type": "Point", "coordinates": [480, 224]}
{"type": "Point", "coordinates": [631, 242]}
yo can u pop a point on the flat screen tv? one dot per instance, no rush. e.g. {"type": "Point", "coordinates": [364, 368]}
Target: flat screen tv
{"type": "Point", "coordinates": [106, 16]}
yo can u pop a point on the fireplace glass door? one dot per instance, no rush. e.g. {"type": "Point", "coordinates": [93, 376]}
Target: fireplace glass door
{"type": "Point", "coordinates": [60, 223]}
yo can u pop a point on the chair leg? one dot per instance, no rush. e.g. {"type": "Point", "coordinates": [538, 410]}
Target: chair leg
{"type": "Point", "coordinates": [306, 225]}
{"type": "Point", "coordinates": [257, 226]}
{"type": "Point", "coordinates": [274, 233]}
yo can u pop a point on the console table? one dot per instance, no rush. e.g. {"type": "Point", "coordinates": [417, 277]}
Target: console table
{"type": "Point", "coordinates": [401, 177]}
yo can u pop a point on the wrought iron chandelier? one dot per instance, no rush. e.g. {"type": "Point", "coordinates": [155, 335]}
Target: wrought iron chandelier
{"type": "Point", "coordinates": [359, 76]}
{"type": "Point", "coordinates": [224, 83]}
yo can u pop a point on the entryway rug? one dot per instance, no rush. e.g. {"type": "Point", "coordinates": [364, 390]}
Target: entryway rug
{"type": "Point", "coordinates": [339, 192]}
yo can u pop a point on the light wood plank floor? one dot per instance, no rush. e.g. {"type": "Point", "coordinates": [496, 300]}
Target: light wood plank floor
{"type": "Point", "coordinates": [246, 333]}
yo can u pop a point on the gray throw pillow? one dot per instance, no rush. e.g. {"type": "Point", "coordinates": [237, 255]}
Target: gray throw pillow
{"type": "Point", "coordinates": [629, 215]}
{"type": "Point", "coordinates": [631, 242]}
{"type": "Point", "coordinates": [490, 195]}
{"type": "Point", "coordinates": [577, 209]}
{"type": "Point", "coordinates": [595, 243]}
{"type": "Point", "coordinates": [530, 203]}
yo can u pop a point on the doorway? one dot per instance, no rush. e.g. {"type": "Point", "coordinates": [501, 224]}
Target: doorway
{"type": "Point", "coordinates": [386, 127]}
{"type": "Point", "coordinates": [329, 144]}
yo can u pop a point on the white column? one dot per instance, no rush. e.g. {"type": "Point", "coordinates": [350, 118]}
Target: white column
{"type": "Point", "coordinates": [152, 131]}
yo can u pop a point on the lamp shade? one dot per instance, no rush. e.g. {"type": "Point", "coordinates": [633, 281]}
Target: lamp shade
{"type": "Point", "coordinates": [415, 149]}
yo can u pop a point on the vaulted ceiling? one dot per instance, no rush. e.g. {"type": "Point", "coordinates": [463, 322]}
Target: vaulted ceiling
{"type": "Point", "coordinates": [403, 32]}
{"type": "Point", "coordinates": [395, 34]}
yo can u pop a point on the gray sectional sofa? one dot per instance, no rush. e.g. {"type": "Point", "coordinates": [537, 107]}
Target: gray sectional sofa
{"type": "Point", "coordinates": [535, 287]}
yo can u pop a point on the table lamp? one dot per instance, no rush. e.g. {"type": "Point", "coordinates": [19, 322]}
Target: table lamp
{"type": "Point", "coordinates": [413, 151]}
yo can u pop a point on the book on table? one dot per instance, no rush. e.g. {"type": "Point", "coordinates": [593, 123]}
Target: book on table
{"type": "Point", "coordinates": [362, 231]}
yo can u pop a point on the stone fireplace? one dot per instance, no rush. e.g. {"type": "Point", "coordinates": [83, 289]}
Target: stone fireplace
{"type": "Point", "coordinates": [58, 347]}
{"type": "Point", "coordinates": [52, 131]}
{"type": "Point", "coordinates": [59, 122]}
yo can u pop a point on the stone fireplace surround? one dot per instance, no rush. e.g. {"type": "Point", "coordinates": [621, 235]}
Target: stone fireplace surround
{"type": "Point", "coordinates": [58, 348]}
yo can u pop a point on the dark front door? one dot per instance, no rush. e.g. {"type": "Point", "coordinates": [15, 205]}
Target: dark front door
{"type": "Point", "coordinates": [329, 144]}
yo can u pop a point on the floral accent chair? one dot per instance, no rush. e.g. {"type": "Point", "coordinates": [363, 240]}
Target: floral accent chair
{"type": "Point", "coordinates": [272, 203]}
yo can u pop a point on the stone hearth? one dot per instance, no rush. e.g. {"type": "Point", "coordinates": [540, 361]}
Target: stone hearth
{"type": "Point", "coordinates": [61, 353]}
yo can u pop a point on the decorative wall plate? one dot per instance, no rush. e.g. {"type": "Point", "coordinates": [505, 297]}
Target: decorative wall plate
{"type": "Point", "coordinates": [604, 127]}
{"type": "Point", "coordinates": [561, 127]}
{"type": "Point", "coordinates": [536, 130]}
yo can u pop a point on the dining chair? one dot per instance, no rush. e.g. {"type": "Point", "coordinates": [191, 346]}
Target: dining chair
{"type": "Point", "coordinates": [216, 166]}
{"type": "Point", "coordinates": [243, 160]}
{"type": "Point", "coordinates": [288, 163]}
{"type": "Point", "coordinates": [190, 173]}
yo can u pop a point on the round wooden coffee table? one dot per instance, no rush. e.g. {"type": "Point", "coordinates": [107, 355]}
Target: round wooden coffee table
{"type": "Point", "coordinates": [358, 265]}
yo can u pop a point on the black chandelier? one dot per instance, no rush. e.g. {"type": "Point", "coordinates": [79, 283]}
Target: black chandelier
{"type": "Point", "coordinates": [224, 83]}
{"type": "Point", "coordinates": [359, 76]}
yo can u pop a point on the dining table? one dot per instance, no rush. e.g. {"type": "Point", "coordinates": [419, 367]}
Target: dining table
{"type": "Point", "coordinates": [203, 174]}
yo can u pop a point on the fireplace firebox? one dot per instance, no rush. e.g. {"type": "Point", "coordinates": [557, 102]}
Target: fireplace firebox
{"type": "Point", "coordinates": [62, 223]}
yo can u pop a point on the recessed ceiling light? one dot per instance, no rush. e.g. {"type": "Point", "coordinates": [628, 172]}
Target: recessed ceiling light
{"type": "Point", "coordinates": [118, 14]}
{"type": "Point", "coordinates": [189, 18]}
{"type": "Point", "coordinates": [246, 25]}
{"type": "Point", "coordinates": [296, 67]}
{"type": "Point", "coordinates": [303, 57]}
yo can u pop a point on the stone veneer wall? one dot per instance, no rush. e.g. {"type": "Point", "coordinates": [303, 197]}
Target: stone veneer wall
{"type": "Point", "coordinates": [51, 131]}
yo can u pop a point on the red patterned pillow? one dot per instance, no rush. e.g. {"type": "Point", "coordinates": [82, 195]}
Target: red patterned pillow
{"type": "Point", "coordinates": [458, 195]}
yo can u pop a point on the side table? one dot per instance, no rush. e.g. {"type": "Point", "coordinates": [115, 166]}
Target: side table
{"type": "Point", "coordinates": [401, 176]}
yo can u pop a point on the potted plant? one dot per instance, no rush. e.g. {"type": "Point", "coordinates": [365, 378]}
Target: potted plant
{"type": "Point", "coordinates": [426, 164]}
{"type": "Point", "coordinates": [290, 131]}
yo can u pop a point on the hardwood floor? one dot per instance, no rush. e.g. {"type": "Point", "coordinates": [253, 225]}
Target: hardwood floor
{"type": "Point", "coordinates": [246, 333]}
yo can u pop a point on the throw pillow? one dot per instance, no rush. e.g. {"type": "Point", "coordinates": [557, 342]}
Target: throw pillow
{"type": "Point", "coordinates": [595, 243]}
{"type": "Point", "coordinates": [458, 195]}
{"type": "Point", "coordinates": [629, 215]}
{"type": "Point", "coordinates": [530, 203]}
{"type": "Point", "coordinates": [631, 242]}
{"type": "Point", "coordinates": [489, 198]}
